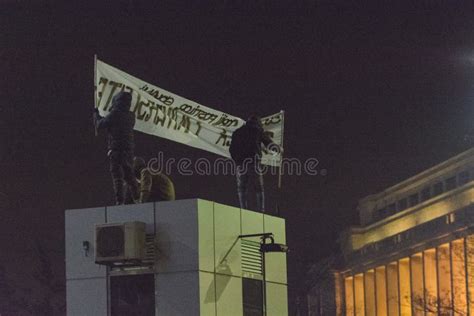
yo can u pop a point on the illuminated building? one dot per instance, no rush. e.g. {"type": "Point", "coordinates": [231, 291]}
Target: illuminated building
{"type": "Point", "coordinates": [413, 253]}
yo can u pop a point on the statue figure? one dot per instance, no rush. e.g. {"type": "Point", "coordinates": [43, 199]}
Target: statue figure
{"type": "Point", "coordinates": [153, 187]}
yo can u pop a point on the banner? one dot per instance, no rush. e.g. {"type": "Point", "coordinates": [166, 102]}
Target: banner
{"type": "Point", "coordinates": [164, 114]}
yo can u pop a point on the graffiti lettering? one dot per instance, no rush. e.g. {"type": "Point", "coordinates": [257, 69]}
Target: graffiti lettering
{"type": "Point", "coordinates": [160, 119]}
{"type": "Point", "coordinates": [272, 120]}
{"type": "Point", "coordinates": [186, 123]}
{"type": "Point", "coordinates": [154, 92]}
{"type": "Point", "coordinates": [198, 113]}
{"type": "Point", "coordinates": [224, 138]}
{"type": "Point", "coordinates": [114, 85]}
{"type": "Point", "coordinates": [198, 129]}
{"type": "Point", "coordinates": [172, 114]}
{"type": "Point", "coordinates": [100, 94]}
{"type": "Point", "coordinates": [226, 122]}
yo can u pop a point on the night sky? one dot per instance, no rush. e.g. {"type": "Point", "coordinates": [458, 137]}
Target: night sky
{"type": "Point", "coordinates": [375, 92]}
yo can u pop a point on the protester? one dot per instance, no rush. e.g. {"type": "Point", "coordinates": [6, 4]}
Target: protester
{"type": "Point", "coordinates": [119, 124]}
{"type": "Point", "coordinates": [246, 147]}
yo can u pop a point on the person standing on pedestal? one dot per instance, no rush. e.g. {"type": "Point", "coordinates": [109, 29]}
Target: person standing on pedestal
{"type": "Point", "coordinates": [119, 124]}
{"type": "Point", "coordinates": [246, 147]}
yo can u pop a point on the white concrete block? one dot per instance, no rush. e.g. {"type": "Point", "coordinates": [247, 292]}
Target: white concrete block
{"type": "Point", "coordinates": [227, 245]}
{"type": "Point", "coordinates": [86, 297]}
{"type": "Point", "coordinates": [229, 295]}
{"type": "Point", "coordinates": [206, 235]}
{"type": "Point", "coordinates": [177, 235]}
{"type": "Point", "coordinates": [79, 227]}
{"type": "Point", "coordinates": [275, 263]}
{"type": "Point", "coordinates": [277, 299]}
{"type": "Point", "coordinates": [177, 294]}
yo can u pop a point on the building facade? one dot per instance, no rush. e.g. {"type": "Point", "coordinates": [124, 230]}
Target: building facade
{"type": "Point", "coordinates": [413, 253]}
{"type": "Point", "coordinates": [200, 265]}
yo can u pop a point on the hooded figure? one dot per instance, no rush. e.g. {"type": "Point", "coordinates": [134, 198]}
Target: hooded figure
{"type": "Point", "coordinates": [246, 147]}
{"type": "Point", "coordinates": [119, 124]}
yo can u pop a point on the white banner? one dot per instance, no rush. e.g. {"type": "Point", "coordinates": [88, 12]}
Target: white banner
{"type": "Point", "coordinates": [165, 114]}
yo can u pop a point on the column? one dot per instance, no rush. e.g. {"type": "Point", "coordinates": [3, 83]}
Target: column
{"type": "Point", "coordinates": [405, 286]}
{"type": "Point", "coordinates": [381, 292]}
{"type": "Point", "coordinates": [431, 282]}
{"type": "Point", "coordinates": [392, 289]}
{"type": "Point", "coordinates": [417, 288]}
{"type": "Point", "coordinates": [349, 295]}
{"type": "Point", "coordinates": [444, 279]}
{"type": "Point", "coordinates": [359, 294]}
{"type": "Point", "coordinates": [458, 268]}
{"type": "Point", "coordinates": [469, 253]}
{"type": "Point", "coordinates": [369, 289]}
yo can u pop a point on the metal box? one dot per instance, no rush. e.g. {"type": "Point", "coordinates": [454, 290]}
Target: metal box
{"type": "Point", "coordinates": [120, 243]}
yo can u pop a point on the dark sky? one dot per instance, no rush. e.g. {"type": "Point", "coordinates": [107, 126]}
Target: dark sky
{"type": "Point", "coordinates": [375, 92]}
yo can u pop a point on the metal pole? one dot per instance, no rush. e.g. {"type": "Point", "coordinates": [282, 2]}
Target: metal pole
{"type": "Point", "coordinates": [95, 90]}
{"type": "Point", "coordinates": [264, 285]}
{"type": "Point", "coordinates": [281, 161]}
{"type": "Point", "coordinates": [282, 138]}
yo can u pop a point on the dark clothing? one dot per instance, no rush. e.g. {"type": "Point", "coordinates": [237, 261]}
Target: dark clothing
{"type": "Point", "coordinates": [244, 173]}
{"type": "Point", "coordinates": [247, 143]}
{"type": "Point", "coordinates": [119, 124]}
{"type": "Point", "coordinates": [121, 170]}
{"type": "Point", "coordinates": [253, 172]}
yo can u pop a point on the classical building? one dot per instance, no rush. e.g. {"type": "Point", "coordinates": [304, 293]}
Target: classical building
{"type": "Point", "coordinates": [185, 257]}
{"type": "Point", "coordinates": [413, 253]}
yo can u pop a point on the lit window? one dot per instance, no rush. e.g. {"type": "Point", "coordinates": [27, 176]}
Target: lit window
{"type": "Point", "coordinates": [450, 218]}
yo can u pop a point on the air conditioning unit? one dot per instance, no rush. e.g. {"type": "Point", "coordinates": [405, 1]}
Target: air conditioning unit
{"type": "Point", "coordinates": [120, 243]}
